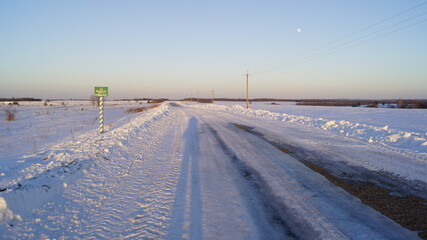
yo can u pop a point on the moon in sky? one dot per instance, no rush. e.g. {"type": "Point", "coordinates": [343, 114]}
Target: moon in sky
{"type": "Point", "coordinates": [299, 30]}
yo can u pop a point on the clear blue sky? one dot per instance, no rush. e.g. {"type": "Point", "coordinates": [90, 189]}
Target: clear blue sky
{"type": "Point", "coordinates": [174, 49]}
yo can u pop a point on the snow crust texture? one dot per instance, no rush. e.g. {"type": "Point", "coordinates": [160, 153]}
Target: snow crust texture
{"type": "Point", "coordinates": [185, 171]}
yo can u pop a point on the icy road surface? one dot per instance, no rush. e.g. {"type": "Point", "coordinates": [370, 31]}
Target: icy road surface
{"type": "Point", "coordinates": [187, 172]}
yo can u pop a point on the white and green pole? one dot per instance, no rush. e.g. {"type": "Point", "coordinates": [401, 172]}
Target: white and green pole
{"type": "Point", "coordinates": [101, 115]}
{"type": "Point", "coordinates": [101, 92]}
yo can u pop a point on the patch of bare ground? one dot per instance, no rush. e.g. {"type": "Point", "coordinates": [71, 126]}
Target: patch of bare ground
{"type": "Point", "coordinates": [405, 209]}
{"type": "Point", "coordinates": [408, 211]}
{"type": "Point", "coordinates": [141, 109]}
{"type": "Point", "coordinates": [243, 127]}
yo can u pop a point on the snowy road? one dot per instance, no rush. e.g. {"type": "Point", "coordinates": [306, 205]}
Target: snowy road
{"type": "Point", "coordinates": [185, 172]}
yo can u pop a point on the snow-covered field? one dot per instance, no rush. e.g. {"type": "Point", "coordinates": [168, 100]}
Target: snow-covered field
{"type": "Point", "coordinates": [40, 129]}
{"type": "Point", "coordinates": [183, 170]}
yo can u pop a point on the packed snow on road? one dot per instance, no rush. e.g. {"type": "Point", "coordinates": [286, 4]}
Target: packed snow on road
{"type": "Point", "coordinates": [185, 170]}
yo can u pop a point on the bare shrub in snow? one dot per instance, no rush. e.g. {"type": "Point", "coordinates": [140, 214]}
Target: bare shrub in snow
{"type": "Point", "coordinates": [95, 100]}
{"type": "Point", "coordinates": [10, 114]}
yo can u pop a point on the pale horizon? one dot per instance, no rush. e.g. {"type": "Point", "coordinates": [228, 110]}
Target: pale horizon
{"type": "Point", "coordinates": [293, 50]}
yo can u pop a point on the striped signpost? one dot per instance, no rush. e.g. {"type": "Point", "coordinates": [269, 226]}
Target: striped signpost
{"type": "Point", "coordinates": [101, 92]}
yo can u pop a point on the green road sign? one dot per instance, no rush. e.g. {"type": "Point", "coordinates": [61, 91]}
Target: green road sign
{"type": "Point", "coordinates": [101, 91]}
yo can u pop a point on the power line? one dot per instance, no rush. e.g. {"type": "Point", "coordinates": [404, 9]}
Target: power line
{"type": "Point", "coordinates": [378, 31]}
{"type": "Point", "coordinates": [302, 61]}
{"type": "Point", "coordinates": [377, 23]}
{"type": "Point", "coordinates": [352, 43]}
{"type": "Point", "coordinates": [345, 37]}
{"type": "Point", "coordinates": [301, 57]}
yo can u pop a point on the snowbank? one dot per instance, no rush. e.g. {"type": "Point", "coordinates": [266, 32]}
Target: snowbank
{"type": "Point", "coordinates": [6, 215]}
{"type": "Point", "coordinates": [413, 144]}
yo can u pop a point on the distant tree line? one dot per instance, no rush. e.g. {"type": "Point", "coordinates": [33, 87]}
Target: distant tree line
{"type": "Point", "coordinates": [238, 100]}
{"type": "Point", "coordinates": [373, 103]}
{"type": "Point", "coordinates": [26, 99]}
{"type": "Point", "coordinates": [391, 103]}
{"type": "Point", "coordinates": [407, 103]}
{"type": "Point", "coordinates": [157, 100]}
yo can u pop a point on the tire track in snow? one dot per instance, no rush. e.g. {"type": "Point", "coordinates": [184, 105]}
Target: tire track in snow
{"type": "Point", "coordinates": [263, 206]}
{"type": "Point", "coordinates": [237, 187]}
{"type": "Point", "coordinates": [312, 206]}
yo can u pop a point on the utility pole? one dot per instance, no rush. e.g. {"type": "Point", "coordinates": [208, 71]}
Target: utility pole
{"type": "Point", "coordinates": [213, 96]}
{"type": "Point", "coordinates": [197, 96]}
{"type": "Point", "coordinates": [247, 89]}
